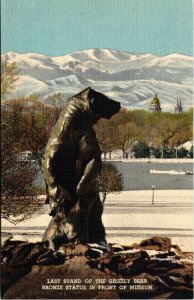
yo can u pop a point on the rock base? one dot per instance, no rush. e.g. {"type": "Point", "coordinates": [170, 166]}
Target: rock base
{"type": "Point", "coordinates": [153, 269]}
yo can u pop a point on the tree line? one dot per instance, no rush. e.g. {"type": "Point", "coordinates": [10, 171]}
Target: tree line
{"type": "Point", "coordinates": [145, 132]}
{"type": "Point", "coordinates": [27, 124]}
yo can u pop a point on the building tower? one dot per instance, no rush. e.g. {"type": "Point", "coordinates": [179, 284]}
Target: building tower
{"type": "Point", "coordinates": [155, 104]}
{"type": "Point", "coordinates": [178, 108]}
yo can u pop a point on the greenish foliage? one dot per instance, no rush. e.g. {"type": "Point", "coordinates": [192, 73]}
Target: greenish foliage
{"type": "Point", "coordinates": [141, 150]}
{"type": "Point", "coordinates": [182, 152]}
{"type": "Point", "coordinates": [169, 152]}
{"type": "Point", "coordinates": [156, 152]}
{"type": "Point", "coordinates": [191, 152]}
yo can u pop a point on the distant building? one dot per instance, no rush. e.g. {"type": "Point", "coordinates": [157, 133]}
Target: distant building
{"type": "Point", "coordinates": [178, 108]}
{"type": "Point", "coordinates": [155, 104]}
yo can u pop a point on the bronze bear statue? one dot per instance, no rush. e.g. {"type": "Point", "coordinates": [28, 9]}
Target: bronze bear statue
{"type": "Point", "coordinates": [71, 167]}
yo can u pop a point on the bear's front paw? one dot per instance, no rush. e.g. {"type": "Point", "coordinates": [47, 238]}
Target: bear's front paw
{"type": "Point", "coordinates": [75, 208]}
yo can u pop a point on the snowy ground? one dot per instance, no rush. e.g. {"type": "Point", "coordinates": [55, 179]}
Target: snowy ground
{"type": "Point", "coordinates": [117, 156]}
{"type": "Point", "coordinates": [130, 217]}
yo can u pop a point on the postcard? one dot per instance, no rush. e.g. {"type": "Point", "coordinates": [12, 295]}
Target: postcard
{"type": "Point", "coordinates": [97, 149]}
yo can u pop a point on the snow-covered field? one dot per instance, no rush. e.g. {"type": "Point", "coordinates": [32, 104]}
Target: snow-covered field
{"type": "Point", "coordinates": [117, 156]}
{"type": "Point", "coordinates": [130, 217]}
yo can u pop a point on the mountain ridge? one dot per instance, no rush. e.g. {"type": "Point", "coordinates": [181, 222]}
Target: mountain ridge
{"type": "Point", "coordinates": [131, 78]}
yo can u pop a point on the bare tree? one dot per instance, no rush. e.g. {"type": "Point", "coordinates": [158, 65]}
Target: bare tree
{"type": "Point", "coordinates": [126, 135]}
{"type": "Point", "coordinates": [111, 181]}
{"type": "Point", "coordinates": [55, 100]}
{"type": "Point", "coordinates": [105, 133]}
{"type": "Point", "coordinates": [9, 76]}
{"type": "Point", "coordinates": [18, 199]}
{"type": "Point", "coordinates": [17, 173]}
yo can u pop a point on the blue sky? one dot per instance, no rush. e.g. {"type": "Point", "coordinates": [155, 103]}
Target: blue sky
{"type": "Point", "coordinates": [58, 27]}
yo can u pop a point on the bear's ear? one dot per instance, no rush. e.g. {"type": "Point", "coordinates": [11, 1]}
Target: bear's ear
{"type": "Point", "coordinates": [83, 94]}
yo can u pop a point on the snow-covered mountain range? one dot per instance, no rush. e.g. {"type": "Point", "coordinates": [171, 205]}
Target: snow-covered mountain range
{"type": "Point", "coordinates": [132, 79]}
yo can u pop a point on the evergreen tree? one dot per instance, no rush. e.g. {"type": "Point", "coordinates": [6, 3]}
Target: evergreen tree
{"type": "Point", "coordinates": [191, 152]}
{"type": "Point", "coordinates": [141, 149]}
